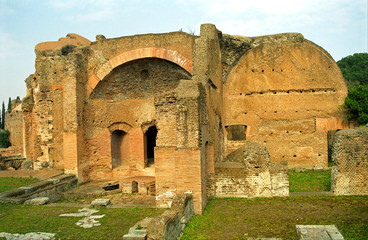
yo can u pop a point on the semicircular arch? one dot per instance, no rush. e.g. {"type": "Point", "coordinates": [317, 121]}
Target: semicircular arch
{"type": "Point", "coordinates": [162, 53]}
{"type": "Point", "coordinates": [269, 68]}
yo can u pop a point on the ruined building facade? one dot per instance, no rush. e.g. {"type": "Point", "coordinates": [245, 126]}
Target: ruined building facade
{"type": "Point", "coordinates": [166, 110]}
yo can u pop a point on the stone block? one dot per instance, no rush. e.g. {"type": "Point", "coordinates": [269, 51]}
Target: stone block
{"type": "Point", "coordinates": [27, 190]}
{"type": "Point", "coordinates": [100, 202]}
{"type": "Point", "coordinates": [318, 169]}
{"type": "Point", "coordinates": [319, 232]}
{"type": "Point", "coordinates": [38, 201]}
{"type": "Point", "coordinates": [135, 235]}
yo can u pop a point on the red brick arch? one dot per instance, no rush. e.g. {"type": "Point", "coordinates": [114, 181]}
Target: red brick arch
{"type": "Point", "coordinates": [170, 55]}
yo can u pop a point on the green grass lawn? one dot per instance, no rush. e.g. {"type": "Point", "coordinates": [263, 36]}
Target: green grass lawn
{"type": "Point", "coordinates": [27, 218]}
{"type": "Point", "coordinates": [9, 183]}
{"type": "Point", "coordinates": [309, 181]}
{"type": "Point", "coordinates": [277, 217]}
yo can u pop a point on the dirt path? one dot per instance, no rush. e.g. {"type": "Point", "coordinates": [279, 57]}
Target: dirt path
{"type": "Point", "coordinates": [87, 192]}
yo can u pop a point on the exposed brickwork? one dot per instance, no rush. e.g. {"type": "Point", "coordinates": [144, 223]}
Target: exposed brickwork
{"type": "Point", "coordinates": [248, 172]}
{"type": "Point", "coordinates": [172, 56]}
{"type": "Point", "coordinates": [169, 55]}
{"type": "Point", "coordinates": [91, 109]}
{"type": "Point", "coordinates": [350, 155]}
{"type": "Point", "coordinates": [278, 95]}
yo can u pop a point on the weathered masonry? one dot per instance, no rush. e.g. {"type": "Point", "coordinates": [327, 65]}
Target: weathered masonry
{"type": "Point", "coordinates": [162, 112]}
{"type": "Point", "coordinates": [350, 155]}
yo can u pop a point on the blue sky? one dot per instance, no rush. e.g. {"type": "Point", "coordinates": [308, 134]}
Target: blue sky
{"type": "Point", "coordinates": [339, 26]}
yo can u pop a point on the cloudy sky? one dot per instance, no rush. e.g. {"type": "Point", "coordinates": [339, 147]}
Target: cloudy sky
{"type": "Point", "coordinates": [339, 26]}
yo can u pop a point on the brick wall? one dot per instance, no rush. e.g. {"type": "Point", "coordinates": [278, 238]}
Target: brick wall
{"type": "Point", "coordinates": [178, 171]}
{"type": "Point", "coordinates": [350, 155]}
{"type": "Point", "coordinates": [248, 172]}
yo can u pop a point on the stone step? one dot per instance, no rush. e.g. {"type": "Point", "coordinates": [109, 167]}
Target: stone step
{"type": "Point", "coordinates": [51, 188]}
{"type": "Point", "coordinates": [135, 234]}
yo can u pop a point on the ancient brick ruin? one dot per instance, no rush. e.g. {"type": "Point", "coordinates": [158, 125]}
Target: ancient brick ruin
{"type": "Point", "coordinates": [162, 112]}
{"type": "Point", "coordinates": [350, 155]}
{"type": "Point", "coordinates": [248, 172]}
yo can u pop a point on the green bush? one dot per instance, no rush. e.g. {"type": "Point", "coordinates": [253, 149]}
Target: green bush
{"type": "Point", "coordinates": [357, 103]}
{"type": "Point", "coordinates": [4, 139]}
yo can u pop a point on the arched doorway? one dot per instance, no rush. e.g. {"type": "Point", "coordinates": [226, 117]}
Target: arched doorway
{"type": "Point", "coordinates": [149, 145]}
{"type": "Point", "coordinates": [119, 148]}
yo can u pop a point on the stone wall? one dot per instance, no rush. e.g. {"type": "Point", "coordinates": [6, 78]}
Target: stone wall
{"type": "Point", "coordinates": [91, 107]}
{"type": "Point", "coordinates": [275, 89]}
{"type": "Point", "coordinates": [207, 71]}
{"type": "Point", "coordinates": [14, 123]}
{"type": "Point", "coordinates": [178, 163]}
{"type": "Point", "coordinates": [350, 156]}
{"type": "Point", "coordinates": [125, 101]}
{"type": "Point", "coordinates": [248, 172]}
{"type": "Point", "coordinates": [170, 224]}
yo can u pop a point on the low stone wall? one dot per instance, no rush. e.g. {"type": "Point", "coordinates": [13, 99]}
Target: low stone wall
{"type": "Point", "coordinates": [51, 188]}
{"type": "Point", "coordinates": [248, 172]}
{"type": "Point", "coordinates": [350, 155]}
{"type": "Point", "coordinates": [11, 161]}
{"type": "Point", "coordinates": [12, 150]}
{"type": "Point", "coordinates": [169, 224]}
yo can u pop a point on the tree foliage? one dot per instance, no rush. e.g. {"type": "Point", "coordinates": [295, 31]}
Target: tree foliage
{"type": "Point", "coordinates": [9, 104]}
{"type": "Point", "coordinates": [354, 68]}
{"type": "Point", "coordinates": [357, 103]}
{"type": "Point", "coordinates": [3, 116]}
{"type": "Point", "coordinates": [4, 139]}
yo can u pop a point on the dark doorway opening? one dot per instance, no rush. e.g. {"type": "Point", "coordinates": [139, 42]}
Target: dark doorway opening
{"type": "Point", "coordinates": [134, 187]}
{"type": "Point", "coordinates": [150, 144]}
{"type": "Point", "coordinates": [118, 147]}
{"type": "Point", "coordinates": [236, 132]}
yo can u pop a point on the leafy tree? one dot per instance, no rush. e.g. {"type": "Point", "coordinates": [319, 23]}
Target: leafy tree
{"type": "Point", "coordinates": [3, 116]}
{"type": "Point", "coordinates": [357, 103]}
{"type": "Point", "coordinates": [355, 69]}
{"type": "Point", "coordinates": [4, 139]}
{"type": "Point", "coordinates": [1, 123]}
{"type": "Point", "coordinates": [9, 105]}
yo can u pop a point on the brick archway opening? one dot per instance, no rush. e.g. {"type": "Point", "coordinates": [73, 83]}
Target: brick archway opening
{"type": "Point", "coordinates": [119, 148]}
{"type": "Point", "coordinates": [149, 146]}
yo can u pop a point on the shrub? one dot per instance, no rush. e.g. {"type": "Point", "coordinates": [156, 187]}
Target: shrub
{"type": "Point", "coordinates": [357, 103]}
{"type": "Point", "coordinates": [65, 50]}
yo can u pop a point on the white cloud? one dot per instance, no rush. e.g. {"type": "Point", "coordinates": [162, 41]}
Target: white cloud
{"type": "Point", "coordinates": [88, 10]}
{"type": "Point", "coordinates": [269, 16]}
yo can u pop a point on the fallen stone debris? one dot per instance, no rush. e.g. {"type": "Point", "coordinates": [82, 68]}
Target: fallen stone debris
{"type": "Point", "coordinates": [28, 236]}
{"type": "Point", "coordinates": [88, 221]}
